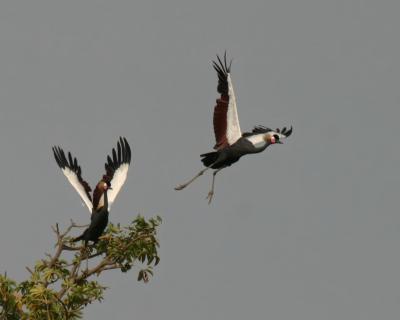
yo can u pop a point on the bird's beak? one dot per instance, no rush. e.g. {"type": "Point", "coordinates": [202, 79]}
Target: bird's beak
{"type": "Point", "coordinates": [109, 188]}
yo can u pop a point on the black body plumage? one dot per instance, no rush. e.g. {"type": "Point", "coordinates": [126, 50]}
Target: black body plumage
{"type": "Point", "coordinates": [229, 155]}
{"type": "Point", "coordinates": [98, 223]}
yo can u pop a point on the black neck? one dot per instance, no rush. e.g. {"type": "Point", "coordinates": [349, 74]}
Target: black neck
{"type": "Point", "coordinates": [105, 200]}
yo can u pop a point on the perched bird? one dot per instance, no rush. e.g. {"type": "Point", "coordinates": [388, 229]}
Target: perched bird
{"type": "Point", "coordinates": [231, 143]}
{"type": "Point", "coordinates": [106, 190]}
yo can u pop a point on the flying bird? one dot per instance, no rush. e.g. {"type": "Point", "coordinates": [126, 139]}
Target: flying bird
{"type": "Point", "coordinates": [106, 189]}
{"type": "Point", "coordinates": [231, 143]}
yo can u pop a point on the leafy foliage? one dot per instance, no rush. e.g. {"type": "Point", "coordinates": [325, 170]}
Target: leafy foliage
{"type": "Point", "coordinates": [61, 288]}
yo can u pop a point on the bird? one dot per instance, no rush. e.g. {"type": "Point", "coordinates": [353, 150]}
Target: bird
{"type": "Point", "coordinates": [105, 191]}
{"type": "Point", "coordinates": [231, 144]}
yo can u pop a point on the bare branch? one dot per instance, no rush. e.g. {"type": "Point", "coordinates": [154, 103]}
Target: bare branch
{"type": "Point", "coordinates": [61, 286]}
{"type": "Point", "coordinates": [29, 270]}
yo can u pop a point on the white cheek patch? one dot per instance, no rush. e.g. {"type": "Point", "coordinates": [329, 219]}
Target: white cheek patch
{"type": "Point", "coordinates": [281, 136]}
{"type": "Point", "coordinates": [257, 140]}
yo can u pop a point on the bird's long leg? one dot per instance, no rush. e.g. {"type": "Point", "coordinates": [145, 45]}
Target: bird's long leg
{"type": "Point", "coordinates": [211, 192]}
{"type": "Point", "coordinates": [87, 255]}
{"type": "Point", "coordinates": [184, 185]}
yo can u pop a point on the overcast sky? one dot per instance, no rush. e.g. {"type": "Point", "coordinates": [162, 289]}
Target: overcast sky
{"type": "Point", "coordinates": [307, 230]}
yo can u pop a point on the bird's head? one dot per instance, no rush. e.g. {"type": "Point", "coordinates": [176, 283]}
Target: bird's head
{"type": "Point", "coordinates": [99, 192]}
{"type": "Point", "coordinates": [104, 185]}
{"type": "Point", "coordinates": [273, 137]}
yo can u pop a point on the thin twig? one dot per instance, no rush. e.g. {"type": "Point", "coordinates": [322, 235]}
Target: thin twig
{"type": "Point", "coordinates": [29, 270]}
{"type": "Point", "coordinates": [72, 277]}
{"type": "Point", "coordinates": [64, 306]}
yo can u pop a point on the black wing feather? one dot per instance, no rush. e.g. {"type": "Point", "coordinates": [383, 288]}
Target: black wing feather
{"type": "Point", "coordinates": [222, 69]}
{"type": "Point", "coordinates": [124, 156]}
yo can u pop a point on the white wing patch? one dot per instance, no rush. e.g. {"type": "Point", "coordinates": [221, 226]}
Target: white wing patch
{"type": "Point", "coordinates": [233, 132]}
{"type": "Point", "coordinates": [117, 182]}
{"type": "Point", "coordinates": [73, 179]}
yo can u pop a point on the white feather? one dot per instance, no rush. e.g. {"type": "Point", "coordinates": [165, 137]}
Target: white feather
{"type": "Point", "coordinates": [116, 183]}
{"type": "Point", "coordinates": [233, 132]}
{"type": "Point", "coordinates": [73, 179]}
{"type": "Point", "coordinates": [281, 136]}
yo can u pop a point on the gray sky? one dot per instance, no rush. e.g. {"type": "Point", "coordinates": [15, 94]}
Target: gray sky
{"type": "Point", "coordinates": [306, 230]}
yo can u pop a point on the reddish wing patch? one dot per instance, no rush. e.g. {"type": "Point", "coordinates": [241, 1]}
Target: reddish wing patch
{"type": "Point", "coordinates": [221, 109]}
{"type": "Point", "coordinates": [220, 122]}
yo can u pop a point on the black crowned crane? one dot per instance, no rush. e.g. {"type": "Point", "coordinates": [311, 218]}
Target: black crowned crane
{"type": "Point", "coordinates": [231, 143]}
{"type": "Point", "coordinates": [105, 191]}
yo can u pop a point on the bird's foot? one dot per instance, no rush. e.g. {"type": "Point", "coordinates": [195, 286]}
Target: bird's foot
{"type": "Point", "coordinates": [180, 187]}
{"type": "Point", "coordinates": [210, 196]}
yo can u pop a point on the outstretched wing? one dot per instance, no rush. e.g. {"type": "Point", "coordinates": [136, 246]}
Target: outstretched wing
{"type": "Point", "coordinates": [226, 122]}
{"type": "Point", "coordinates": [117, 169]}
{"type": "Point", "coordinates": [72, 171]}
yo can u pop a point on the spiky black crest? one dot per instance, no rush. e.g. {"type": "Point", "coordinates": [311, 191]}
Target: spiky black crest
{"type": "Point", "coordinates": [262, 129]}
{"type": "Point", "coordinates": [285, 132]}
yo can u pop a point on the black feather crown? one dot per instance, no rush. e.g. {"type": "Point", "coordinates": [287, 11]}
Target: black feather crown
{"type": "Point", "coordinates": [262, 129]}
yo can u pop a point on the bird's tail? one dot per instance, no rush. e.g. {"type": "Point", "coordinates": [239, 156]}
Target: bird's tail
{"type": "Point", "coordinates": [209, 158]}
